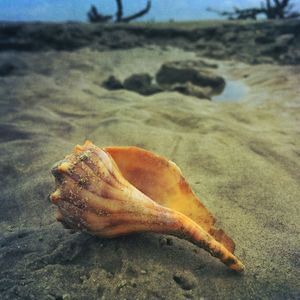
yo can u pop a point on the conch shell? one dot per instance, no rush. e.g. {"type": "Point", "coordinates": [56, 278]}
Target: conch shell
{"type": "Point", "coordinates": [116, 191]}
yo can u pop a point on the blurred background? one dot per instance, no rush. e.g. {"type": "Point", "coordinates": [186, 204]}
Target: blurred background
{"type": "Point", "coordinates": [166, 10]}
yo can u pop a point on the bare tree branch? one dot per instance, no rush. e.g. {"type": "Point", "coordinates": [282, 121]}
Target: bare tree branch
{"type": "Point", "coordinates": [95, 17]}
{"type": "Point", "coordinates": [119, 13]}
{"type": "Point", "coordinates": [275, 9]}
{"type": "Point", "coordinates": [136, 15]}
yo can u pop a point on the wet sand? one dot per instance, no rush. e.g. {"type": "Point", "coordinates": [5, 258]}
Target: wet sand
{"type": "Point", "coordinates": [240, 157]}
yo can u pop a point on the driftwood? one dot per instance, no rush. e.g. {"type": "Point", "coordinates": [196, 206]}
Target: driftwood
{"type": "Point", "coordinates": [275, 9]}
{"type": "Point", "coordinates": [239, 14]}
{"type": "Point", "coordinates": [95, 16]}
{"type": "Point", "coordinates": [139, 14]}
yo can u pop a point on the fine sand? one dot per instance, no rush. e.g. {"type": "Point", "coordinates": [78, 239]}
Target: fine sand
{"type": "Point", "coordinates": [241, 158]}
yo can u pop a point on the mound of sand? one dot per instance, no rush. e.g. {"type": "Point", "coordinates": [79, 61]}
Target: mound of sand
{"type": "Point", "coordinates": [241, 158]}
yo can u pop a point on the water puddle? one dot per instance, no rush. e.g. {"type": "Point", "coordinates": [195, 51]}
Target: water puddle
{"type": "Point", "coordinates": [234, 91]}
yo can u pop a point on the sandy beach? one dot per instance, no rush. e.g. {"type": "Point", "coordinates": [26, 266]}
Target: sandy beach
{"type": "Point", "coordinates": [240, 156]}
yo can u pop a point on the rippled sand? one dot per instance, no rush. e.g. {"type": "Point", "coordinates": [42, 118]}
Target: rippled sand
{"type": "Point", "coordinates": [241, 158]}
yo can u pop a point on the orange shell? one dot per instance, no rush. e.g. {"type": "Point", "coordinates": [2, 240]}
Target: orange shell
{"type": "Point", "coordinates": [162, 181]}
